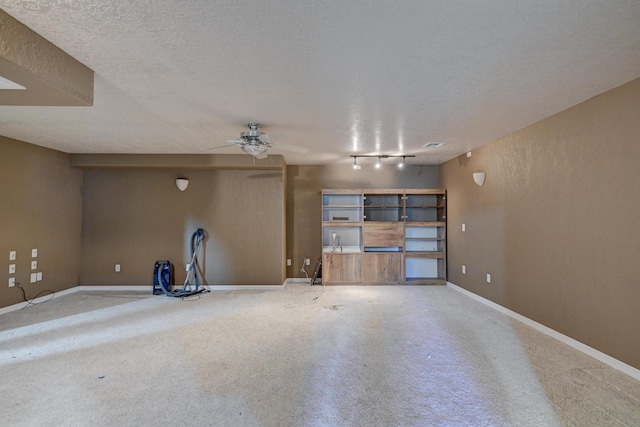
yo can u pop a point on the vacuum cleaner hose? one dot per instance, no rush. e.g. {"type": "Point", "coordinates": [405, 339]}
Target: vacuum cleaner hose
{"type": "Point", "coordinates": [196, 238]}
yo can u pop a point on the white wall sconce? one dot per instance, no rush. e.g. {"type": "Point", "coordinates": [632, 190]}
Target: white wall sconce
{"type": "Point", "coordinates": [182, 183]}
{"type": "Point", "coordinates": [478, 178]}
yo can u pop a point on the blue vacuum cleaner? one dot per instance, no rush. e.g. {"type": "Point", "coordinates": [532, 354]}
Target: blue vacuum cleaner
{"type": "Point", "coordinates": [163, 273]}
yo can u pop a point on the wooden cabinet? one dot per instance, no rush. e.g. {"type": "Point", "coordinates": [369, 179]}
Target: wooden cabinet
{"type": "Point", "coordinates": [385, 236]}
{"type": "Point", "coordinates": [342, 268]}
{"type": "Point", "coordinates": [383, 268]}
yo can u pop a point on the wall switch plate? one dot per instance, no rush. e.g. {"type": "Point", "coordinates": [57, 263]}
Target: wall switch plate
{"type": "Point", "coordinates": [187, 267]}
{"type": "Point", "coordinates": [288, 262]}
{"type": "Point", "coordinates": [488, 278]}
{"type": "Point", "coordinates": [464, 227]}
{"type": "Point", "coordinates": [34, 265]}
{"type": "Point", "coordinates": [34, 253]}
{"type": "Point", "coordinates": [464, 269]}
{"type": "Point", "coordinates": [34, 278]}
{"type": "Point", "coordinates": [12, 282]}
{"type": "Point", "coordinates": [12, 268]}
{"type": "Point", "coordinates": [39, 276]}
{"type": "Point", "coordinates": [12, 255]}
{"type": "Point", "coordinates": [117, 268]}
{"type": "Point", "coordinates": [307, 261]}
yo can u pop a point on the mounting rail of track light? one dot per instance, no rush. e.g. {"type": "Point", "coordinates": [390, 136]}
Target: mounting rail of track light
{"type": "Point", "coordinates": [380, 157]}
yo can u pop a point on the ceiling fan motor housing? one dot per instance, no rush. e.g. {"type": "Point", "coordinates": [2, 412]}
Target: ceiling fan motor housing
{"type": "Point", "coordinates": [253, 133]}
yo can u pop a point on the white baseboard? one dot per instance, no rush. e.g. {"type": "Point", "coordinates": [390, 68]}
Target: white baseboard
{"type": "Point", "coordinates": [134, 288]}
{"type": "Point", "coordinates": [590, 351]}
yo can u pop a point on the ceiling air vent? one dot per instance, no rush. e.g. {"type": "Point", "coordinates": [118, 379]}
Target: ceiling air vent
{"type": "Point", "coordinates": [434, 144]}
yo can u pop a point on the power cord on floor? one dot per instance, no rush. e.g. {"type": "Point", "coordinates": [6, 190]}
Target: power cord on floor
{"type": "Point", "coordinates": [31, 301]}
{"type": "Point", "coordinates": [304, 270]}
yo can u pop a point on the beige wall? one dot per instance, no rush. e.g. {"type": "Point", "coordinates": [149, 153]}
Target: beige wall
{"type": "Point", "coordinates": [556, 223]}
{"type": "Point", "coordinates": [304, 201]}
{"type": "Point", "coordinates": [41, 208]}
{"type": "Point", "coordinates": [135, 216]}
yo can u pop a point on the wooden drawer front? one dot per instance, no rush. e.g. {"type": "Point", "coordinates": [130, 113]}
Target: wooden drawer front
{"type": "Point", "coordinates": [383, 235]}
{"type": "Point", "coordinates": [383, 268]}
{"type": "Point", "coordinates": [339, 267]}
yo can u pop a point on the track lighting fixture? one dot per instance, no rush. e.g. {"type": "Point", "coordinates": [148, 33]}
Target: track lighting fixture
{"type": "Point", "coordinates": [378, 164]}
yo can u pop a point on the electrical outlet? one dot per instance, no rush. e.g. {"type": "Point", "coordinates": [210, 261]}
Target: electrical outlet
{"type": "Point", "coordinates": [464, 228]}
{"type": "Point", "coordinates": [12, 282]}
{"type": "Point", "coordinates": [187, 267]}
{"type": "Point", "coordinates": [488, 278]}
{"type": "Point", "coordinates": [34, 278]}
{"type": "Point", "coordinates": [12, 255]}
{"type": "Point", "coordinates": [307, 261]}
{"type": "Point", "coordinates": [12, 268]}
{"type": "Point", "coordinates": [39, 276]}
{"type": "Point", "coordinates": [117, 268]}
{"type": "Point", "coordinates": [34, 253]}
{"type": "Point", "coordinates": [464, 269]}
{"type": "Point", "coordinates": [288, 262]}
{"type": "Point", "coordinates": [34, 265]}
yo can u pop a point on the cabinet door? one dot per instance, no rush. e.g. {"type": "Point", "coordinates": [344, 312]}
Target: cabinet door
{"type": "Point", "coordinates": [384, 235]}
{"type": "Point", "coordinates": [383, 268]}
{"type": "Point", "coordinates": [425, 207]}
{"type": "Point", "coordinates": [341, 206]}
{"type": "Point", "coordinates": [383, 207]}
{"type": "Point", "coordinates": [341, 268]}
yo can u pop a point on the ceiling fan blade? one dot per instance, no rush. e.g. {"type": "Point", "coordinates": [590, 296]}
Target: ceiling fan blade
{"type": "Point", "coordinates": [233, 144]}
{"type": "Point", "coordinates": [287, 147]}
{"type": "Point", "coordinates": [282, 146]}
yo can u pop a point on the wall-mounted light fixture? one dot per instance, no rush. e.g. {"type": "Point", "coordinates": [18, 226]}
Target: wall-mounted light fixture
{"type": "Point", "coordinates": [182, 183]}
{"type": "Point", "coordinates": [380, 157]}
{"type": "Point", "coordinates": [478, 178]}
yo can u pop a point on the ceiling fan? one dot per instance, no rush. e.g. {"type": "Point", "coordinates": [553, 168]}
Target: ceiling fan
{"type": "Point", "coordinates": [256, 143]}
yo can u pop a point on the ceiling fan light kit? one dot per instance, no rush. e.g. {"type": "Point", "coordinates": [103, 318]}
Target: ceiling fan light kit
{"type": "Point", "coordinates": [255, 149]}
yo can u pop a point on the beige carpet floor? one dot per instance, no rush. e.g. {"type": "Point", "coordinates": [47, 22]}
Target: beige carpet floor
{"type": "Point", "coordinates": [299, 356]}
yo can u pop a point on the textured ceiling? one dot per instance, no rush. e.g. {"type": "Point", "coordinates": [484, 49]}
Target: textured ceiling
{"type": "Point", "coordinates": [336, 77]}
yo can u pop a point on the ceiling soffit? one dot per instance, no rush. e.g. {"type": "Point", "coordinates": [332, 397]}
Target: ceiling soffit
{"type": "Point", "coordinates": [50, 76]}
